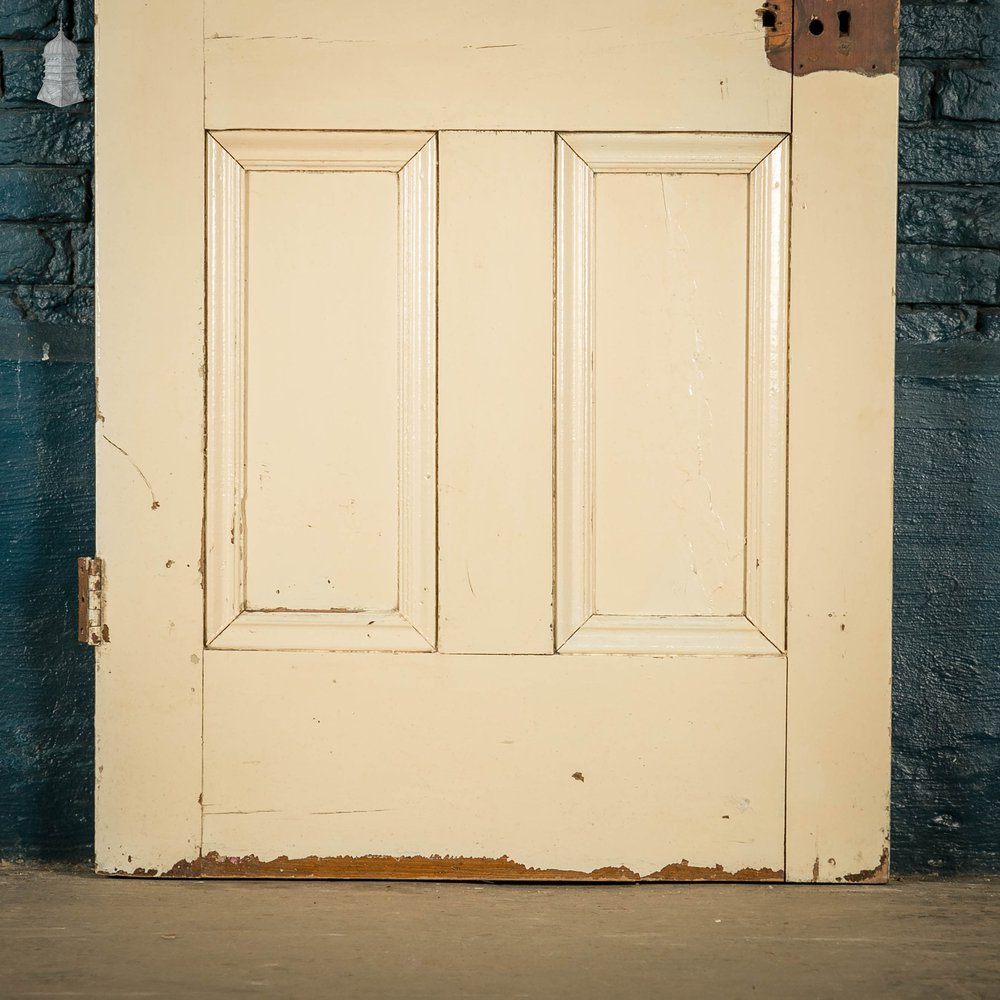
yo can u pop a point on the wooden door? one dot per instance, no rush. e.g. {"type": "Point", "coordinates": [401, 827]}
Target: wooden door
{"type": "Point", "coordinates": [495, 440]}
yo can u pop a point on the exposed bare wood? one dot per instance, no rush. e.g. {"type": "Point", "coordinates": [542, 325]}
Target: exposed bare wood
{"type": "Point", "coordinates": [436, 868]}
{"type": "Point", "coordinates": [878, 875]}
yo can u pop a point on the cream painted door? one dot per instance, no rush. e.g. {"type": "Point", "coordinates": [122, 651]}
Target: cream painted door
{"type": "Point", "coordinates": [494, 444]}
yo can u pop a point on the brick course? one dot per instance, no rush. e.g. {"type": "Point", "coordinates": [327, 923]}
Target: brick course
{"type": "Point", "coordinates": [46, 176]}
{"type": "Point", "coordinates": [946, 648]}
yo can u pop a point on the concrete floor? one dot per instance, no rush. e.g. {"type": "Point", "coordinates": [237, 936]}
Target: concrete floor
{"type": "Point", "coordinates": [70, 934]}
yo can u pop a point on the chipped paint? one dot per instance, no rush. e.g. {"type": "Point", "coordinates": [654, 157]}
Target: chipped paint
{"type": "Point", "coordinates": [685, 872]}
{"type": "Point", "coordinates": [439, 868]}
{"type": "Point", "coordinates": [859, 37]}
{"type": "Point", "coordinates": [872, 876]}
{"type": "Point", "coordinates": [776, 20]}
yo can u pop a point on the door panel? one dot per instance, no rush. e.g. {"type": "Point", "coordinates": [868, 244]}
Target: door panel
{"type": "Point", "coordinates": [321, 384]}
{"type": "Point", "coordinates": [670, 327]}
{"type": "Point", "coordinates": [640, 766]}
{"type": "Point", "coordinates": [671, 389]}
{"type": "Point", "coordinates": [322, 506]}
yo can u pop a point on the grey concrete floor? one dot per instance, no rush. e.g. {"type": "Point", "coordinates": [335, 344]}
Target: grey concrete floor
{"type": "Point", "coordinates": [65, 933]}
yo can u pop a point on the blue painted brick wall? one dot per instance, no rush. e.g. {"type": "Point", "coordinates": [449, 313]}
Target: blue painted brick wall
{"type": "Point", "coordinates": [946, 793]}
{"type": "Point", "coordinates": [946, 635]}
{"type": "Point", "coordinates": [46, 440]}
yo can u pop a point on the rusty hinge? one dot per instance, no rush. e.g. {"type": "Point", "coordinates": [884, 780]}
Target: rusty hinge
{"type": "Point", "coordinates": [90, 583]}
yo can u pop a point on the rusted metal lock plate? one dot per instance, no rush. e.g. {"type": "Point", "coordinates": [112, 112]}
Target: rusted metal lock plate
{"type": "Point", "coordinates": [803, 36]}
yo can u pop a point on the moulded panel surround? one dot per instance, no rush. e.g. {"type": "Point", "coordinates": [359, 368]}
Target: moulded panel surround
{"type": "Point", "coordinates": [321, 386]}
{"type": "Point", "coordinates": [671, 392]}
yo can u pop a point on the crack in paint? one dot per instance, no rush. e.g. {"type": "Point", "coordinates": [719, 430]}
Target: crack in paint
{"type": "Point", "coordinates": [118, 447]}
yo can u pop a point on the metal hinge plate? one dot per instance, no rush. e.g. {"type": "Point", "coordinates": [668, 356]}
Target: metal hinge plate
{"type": "Point", "coordinates": [90, 583]}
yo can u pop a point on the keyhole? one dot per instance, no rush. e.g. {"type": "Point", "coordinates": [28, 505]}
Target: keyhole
{"type": "Point", "coordinates": [844, 22]}
{"type": "Point", "coordinates": [815, 26]}
{"type": "Point", "coordinates": [769, 19]}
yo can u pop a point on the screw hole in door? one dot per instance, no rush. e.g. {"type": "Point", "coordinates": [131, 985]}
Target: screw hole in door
{"type": "Point", "coordinates": [844, 22]}
{"type": "Point", "coordinates": [815, 26]}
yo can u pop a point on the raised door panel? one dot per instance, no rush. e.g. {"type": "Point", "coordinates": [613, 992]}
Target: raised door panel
{"type": "Point", "coordinates": [321, 384]}
{"type": "Point", "coordinates": [671, 392]}
{"type": "Point", "coordinates": [322, 449]}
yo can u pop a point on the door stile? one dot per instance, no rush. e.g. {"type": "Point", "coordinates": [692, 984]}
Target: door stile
{"type": "Point", "coordinates": [840, 525]}
{"type": "Point", "coordinates": [150, 458]}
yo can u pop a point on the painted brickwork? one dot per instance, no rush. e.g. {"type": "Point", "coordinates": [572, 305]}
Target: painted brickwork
{"type": "Point", "coordinates": [947, 637]}
{"type": "Point", "coordinates": [946, 742]}
{"type": "Point", "coordinates": [46, 440]}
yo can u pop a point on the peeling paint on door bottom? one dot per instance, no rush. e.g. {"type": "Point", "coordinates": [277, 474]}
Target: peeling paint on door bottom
{"type": "Point", "coordinates": [503, 869]}
{"type": "Point", "coordinates": [872, 876]}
